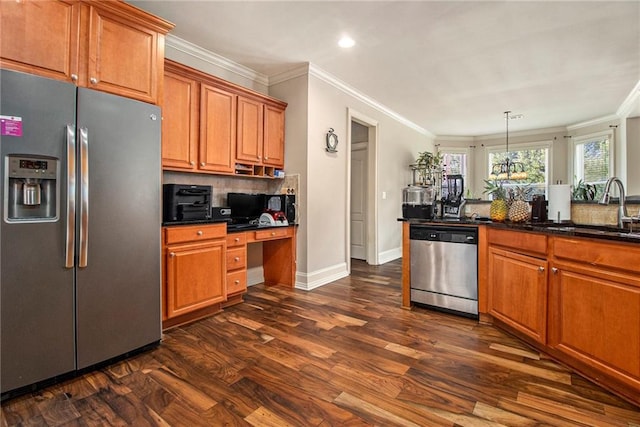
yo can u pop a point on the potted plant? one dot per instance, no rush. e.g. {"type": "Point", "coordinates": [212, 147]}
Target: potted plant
{"type": "Point", "coordinates": [426, 164]}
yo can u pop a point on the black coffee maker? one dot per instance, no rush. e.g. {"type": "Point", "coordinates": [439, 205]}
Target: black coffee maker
{"type": "Point", "coordinates": [538, 208]}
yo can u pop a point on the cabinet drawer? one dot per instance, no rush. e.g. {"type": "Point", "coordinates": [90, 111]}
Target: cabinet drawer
{"type": "Point", "coordinates": [272, 233]}
{"type": "Point", "coordinates": [236, 282]}
{"type": "Point", "coordinates": [236, 258]}
{"type": "Point", "coordinates": [598, 254]}
{"type": "Point", "coordinates": [519, 241]}
{"type": "Point", "coordinates": [190, 233]}
{"type": "Point", "coordinates": [236, 239]}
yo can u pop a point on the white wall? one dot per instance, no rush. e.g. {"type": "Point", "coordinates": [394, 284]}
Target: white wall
{"type": "Point", "coordinates": [295, 92]}
{"type": "Point", "coordinates": [316, 105]}
{"type": "Point", "coordinates": [633, 156]}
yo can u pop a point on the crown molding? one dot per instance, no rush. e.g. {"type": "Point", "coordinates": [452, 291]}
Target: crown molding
{"type": "Point", "coordinates": [300, 71]}
{"type": "Point", "coordinates": [454, 138]}
{"type": "Point", "coordinates": [215, 59]}
{"type": "Point", "coordinates": [349, 90]}
{"type": "Point", "coordinates": [319, 73]}
{"type": "Point", "coordinates": [630, 103]}
{"type": "Point", "coordinates": [592, 122]}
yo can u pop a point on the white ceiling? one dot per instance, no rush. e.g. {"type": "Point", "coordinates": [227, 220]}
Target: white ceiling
{"type": "Point", "coordinates": [451, 67]}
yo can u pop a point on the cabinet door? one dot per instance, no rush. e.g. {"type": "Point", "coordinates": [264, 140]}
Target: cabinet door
{"type": "Point", "coordinates": [179, 122]}
{"type": "Point", "coordinates": [217, 129]}
{"type": "Point", "coordinates": [596, 319]}
{"type": "Point", "coordinates": [196, 276]}
{"type": "Point", "coordinates": [250, 130]}
{"type": "Point", "coordinates": [123, 56]}
{"type": "Point", "coordinates": [40, 37]}
{"type": "Point", "coordinates": [273, 152]}
{"type": "Point", "coordinates": [518, 292]}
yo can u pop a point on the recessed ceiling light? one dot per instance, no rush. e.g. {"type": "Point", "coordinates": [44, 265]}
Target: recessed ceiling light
{"type": "Point", "coordinates": [346, 42]}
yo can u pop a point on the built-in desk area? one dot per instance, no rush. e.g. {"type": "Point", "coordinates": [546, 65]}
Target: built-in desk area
{"type": "Point", "coordinates": [205, 267]}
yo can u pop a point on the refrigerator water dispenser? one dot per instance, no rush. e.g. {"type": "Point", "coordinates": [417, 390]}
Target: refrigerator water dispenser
{"type": "Point", "coordinates": [31, 192]}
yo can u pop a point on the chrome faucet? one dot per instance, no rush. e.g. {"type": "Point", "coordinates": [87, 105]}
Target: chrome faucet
{"type": "Point", "coordinates": [623, 216]}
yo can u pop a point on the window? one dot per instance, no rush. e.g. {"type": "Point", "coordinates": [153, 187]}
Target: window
{"type": "Point", "coordinates": [593, 159]}
{"type": "Point", "coordinates": [455, 162]}
{"type": "Point", "coordinates": [534, 157]}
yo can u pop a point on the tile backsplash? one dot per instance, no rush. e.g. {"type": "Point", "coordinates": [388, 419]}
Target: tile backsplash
{"type": "Point", "coordinates": [221, 184]}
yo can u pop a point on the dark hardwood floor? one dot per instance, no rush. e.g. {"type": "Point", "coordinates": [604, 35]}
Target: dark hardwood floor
{"type": "Point", "coordinates": [344, 354]}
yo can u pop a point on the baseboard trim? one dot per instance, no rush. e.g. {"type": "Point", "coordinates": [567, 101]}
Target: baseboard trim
{"type": "Point", "coordinates": [309, 281]}
{"type": "Point", "coordinates": [390, 255]}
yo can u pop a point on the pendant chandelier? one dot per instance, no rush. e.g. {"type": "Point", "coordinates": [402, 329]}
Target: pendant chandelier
{"type": "Point", "coordinates": [508, 169]}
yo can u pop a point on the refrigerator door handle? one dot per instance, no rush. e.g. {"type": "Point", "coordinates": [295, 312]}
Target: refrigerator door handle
{"type": "Point", "coordinates": [84, 196]}
{"type": "Point", "coordinates": [70, 244]}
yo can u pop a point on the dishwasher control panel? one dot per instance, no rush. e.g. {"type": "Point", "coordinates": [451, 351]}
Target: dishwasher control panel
{"type": "Point", "coordinates": [467, 235]}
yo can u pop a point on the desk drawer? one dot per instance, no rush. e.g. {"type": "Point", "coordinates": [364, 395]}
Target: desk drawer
{"type": "Point", "coordinates": [236, 282]}
{"type": "Point", "coordinates": [236, 239]}
{"type": "Point", "coordinates": [272, 233]}
{"type": "Point", "coordinates": [193, 233]}
{"type": "Point", "coordinates": [236, 258]}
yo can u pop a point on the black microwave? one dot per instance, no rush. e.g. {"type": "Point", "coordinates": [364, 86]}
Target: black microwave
{"type": "Point", "coordinates": [285, 203]}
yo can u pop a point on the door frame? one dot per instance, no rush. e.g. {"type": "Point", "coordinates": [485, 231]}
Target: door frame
{"type": "Point", "coordinates": [372, 188]}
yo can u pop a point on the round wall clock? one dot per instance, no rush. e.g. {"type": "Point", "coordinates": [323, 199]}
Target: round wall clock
{"type": "Point", "coordinates": [332, 141]}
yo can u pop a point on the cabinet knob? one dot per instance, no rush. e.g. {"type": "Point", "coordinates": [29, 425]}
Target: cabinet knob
{"type": "Point", "coordinates": [236, 259]}
{"type": "Point", "coordinates": [199, 233]}
{"type": "Point", "coordinates": [237, 239]}
{"type": "Point", "coordinates": [192, 163]}
{"type": "Point", "coordinates": [258, 157]}
{"type": "Point", "coordinates": [237, 282]}
{"type": "Point", "coordinates": [554, 270]}
{"type": "Point", "coordinates": [266, 158]}
{"type": "Point", "coordinates": [202, 164]}
{"type": "Point", "coordinates": [273, 233]}
{"type": "Point", "coordinates": [172, 254]}
{"type": "Point", "coordinates": [74, 77]}
{"type": "Point", "coordinates": [93, 81]}
{"type": "Point", "coordinates": [540, 269]}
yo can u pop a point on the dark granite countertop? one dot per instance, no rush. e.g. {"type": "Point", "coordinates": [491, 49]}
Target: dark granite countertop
{"type": "Point", "coordinates": [565, 228]}
{"type": "Point", "coordinates": [231, 228]}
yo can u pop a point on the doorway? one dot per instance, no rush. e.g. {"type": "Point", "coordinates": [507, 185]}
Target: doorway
{"type": "Point", "coordinates": [359, 190]}
{"type": "Point", "coordinates": [362, 205]}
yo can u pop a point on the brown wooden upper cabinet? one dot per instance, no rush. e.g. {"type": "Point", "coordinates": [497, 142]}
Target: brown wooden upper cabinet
{"type": "Point", "coordinates": [110, 46]}
{"type": "Point", "coordinates": [214, 126]}
{"type": "Point", "coordinates": [273, 149]}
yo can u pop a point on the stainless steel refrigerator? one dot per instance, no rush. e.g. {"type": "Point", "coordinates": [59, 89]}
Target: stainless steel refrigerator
{"type": "Point", "coordinates": [80, 233]}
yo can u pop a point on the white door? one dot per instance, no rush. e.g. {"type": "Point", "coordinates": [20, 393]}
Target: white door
{"type": "Point", "coordinates": [359, 203]}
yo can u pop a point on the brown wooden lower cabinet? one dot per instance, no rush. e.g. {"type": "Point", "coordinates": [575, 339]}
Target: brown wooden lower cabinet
{"type": "Point", "coordinates": [596, 319]}
{"type": "Point", "coordinates": [194, 270]}
{"type": "Point", "coordinates": [236, 268]}
{"type": "Point", "coordinates": [205, 269]}
{"type": "Point", "coordinates": [594, 309]}
{"type": "Point", "coordinates": [518, 292]}
{"type": "Point", "coordinates": [579, 302]}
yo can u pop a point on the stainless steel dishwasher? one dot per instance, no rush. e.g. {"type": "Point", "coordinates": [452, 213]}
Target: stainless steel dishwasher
{"type": "Point", "coordinates": [444, 268]}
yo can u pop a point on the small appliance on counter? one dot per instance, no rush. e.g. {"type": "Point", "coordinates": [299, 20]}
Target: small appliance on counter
{"type": "Point", "coordinates": [221, 213]}
{"type": "Point", "coordinates": [417, 202]}
{"type": "Point", "coordinates": [184, 202]}
{"type": "Point", "coordinates": [539, 208]}
{"type": "Point", "coordinates": [273, 219]}
{"type": "Point", "coordinates": [285, 203]}
{"type": "Point", "coordinates": [452, 200]}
